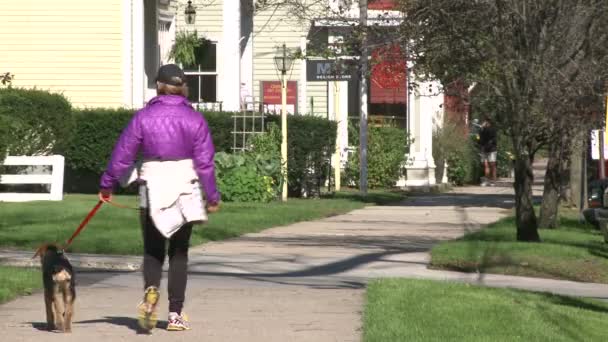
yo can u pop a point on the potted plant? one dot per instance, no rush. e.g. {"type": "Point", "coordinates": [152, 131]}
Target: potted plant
{"type": "Point", "coordinates": [183, 50]}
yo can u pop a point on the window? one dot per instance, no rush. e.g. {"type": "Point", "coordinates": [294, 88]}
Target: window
{"type": "Point", "coordinates": [202, 77]}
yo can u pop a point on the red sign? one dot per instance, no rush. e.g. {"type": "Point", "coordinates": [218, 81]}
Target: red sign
{"type": "Point", "coordinates": [271, 92]}
{"type": "Point", "coordinates": [389, 76]}
{"type": "Point", "coordinates": [382, 5]}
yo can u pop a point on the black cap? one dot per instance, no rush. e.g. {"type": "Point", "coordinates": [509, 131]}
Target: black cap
{"type": "Point", "coordinates": [171, 74]}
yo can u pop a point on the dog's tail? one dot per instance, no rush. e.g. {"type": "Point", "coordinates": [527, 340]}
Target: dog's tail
{"type": "Point", "coordinates": [62, 276]}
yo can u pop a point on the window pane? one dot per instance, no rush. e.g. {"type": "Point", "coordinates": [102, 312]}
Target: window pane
{"type": "Point", "coordinates": [206, 56]}
{"type": "Point", "coordinates": [193, 88]}
{"type": "Point", "coordinates": [209, 88]}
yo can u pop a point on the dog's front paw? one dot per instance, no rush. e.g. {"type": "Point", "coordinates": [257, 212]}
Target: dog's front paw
{"type": "Point", "coordinates": [50, 327]}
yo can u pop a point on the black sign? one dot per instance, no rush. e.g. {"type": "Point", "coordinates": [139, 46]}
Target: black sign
{"type": "Point", "coordinates": [329, 70]}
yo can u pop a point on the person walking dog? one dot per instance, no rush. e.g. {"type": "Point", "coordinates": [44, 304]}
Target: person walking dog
{"type": "Point", "coordinates": [177, 149]}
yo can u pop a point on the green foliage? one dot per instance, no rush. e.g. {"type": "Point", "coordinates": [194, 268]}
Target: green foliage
{"type": "Point", "coordinates": [4, 134]}
{"type": "Point", "coordinates": [183, 50]}
{"type": "Point", "coordinates": [387, 150]}
{"type": "Point", "coordinates": [221, 125]}
{"type": "Point", "coordinates": [244, 177]}
{"type": "Point", "coordinates": [310, 142]}
{"type": "Point", "coordinates": [267, 148]}
{"type": "Point", "coordinates": [91, 142]}
{"type": "Point", "coordinates": [504, 156]}
{"type": "Point", "coordinates": [464, 165]}
{"type": "Point", "coordinates": [6, 79]}
{"type": "Point", "coordinates": [89, 146]}
{"type": "Point", "coordinates": [33, 121]}
{"type": "Point", "coordinates": [451, 145]}
{"type": "Point", "coordinates": [253, 176]}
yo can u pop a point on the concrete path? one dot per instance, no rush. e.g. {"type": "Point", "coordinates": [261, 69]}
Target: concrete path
{"type": "Point", "coordinates": [303, 282]}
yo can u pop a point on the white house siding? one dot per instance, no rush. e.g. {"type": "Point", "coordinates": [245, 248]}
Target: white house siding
{"type": "Point", "coordinates": [70, 46]}
{"type": "Point", "coordinates": [272, 28]}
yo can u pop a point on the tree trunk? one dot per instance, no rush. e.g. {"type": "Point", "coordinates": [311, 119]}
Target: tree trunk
{"type": "Point", "coordinates": [578, 181]}
{"type": "Point", "coordinates": [549, 210]}
{"type": "Point", "coordinates": [527, 229]}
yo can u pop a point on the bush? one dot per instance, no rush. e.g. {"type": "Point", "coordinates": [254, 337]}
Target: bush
{"type": "Point", "coordinates": [311, 141]}
{"type": "Point", "coordinates": [452, 145]}
{"type": "Point", "coordinates": [88, 148]}
{"type": "Point", "coordinates": [504, 157]}
{"type": "Point", "coordinates": [386, 153]}
{"type": "Point", "coordinates": [221, 125]}
{"type": "Point", "coordinates": [4, 134]}
{"type": "Point", "coordinates": [91, 142]}
{"type": "Point", "coordinates": [245, 177]}
{"type": "Point", "coordinates": [464, 165]}
{"type": "Point", "coordinates": [34, 121]}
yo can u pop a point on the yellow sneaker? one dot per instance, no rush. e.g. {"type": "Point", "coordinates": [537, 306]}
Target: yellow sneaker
{"type": "Point", "coordinates": [178, 322]}
{"type": "Point", "coordinates": [147, 316]}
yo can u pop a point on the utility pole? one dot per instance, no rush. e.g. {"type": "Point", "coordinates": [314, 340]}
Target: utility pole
{"type": "Point", "coordinates": [363, 96]}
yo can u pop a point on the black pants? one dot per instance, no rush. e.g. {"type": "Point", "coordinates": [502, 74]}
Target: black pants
{"type": "Point", "coordinates": [154, 258]}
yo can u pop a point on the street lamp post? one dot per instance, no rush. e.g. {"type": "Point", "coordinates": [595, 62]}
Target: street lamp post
{"type": "Point", "coordinates": [283, 63]}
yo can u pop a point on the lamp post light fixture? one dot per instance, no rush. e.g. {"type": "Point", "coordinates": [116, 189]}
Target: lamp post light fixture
{"type": "Point", "coordinates": [283, 63]}
{"type": "Point", "coordinates": [190, 13]}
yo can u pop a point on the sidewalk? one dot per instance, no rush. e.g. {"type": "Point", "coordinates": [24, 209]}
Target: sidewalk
{"type": "Point", "coordinates": [303, 282]}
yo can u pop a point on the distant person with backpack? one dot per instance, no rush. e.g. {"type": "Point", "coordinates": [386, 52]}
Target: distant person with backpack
{"type": "Point", "coordinates": [488, 151]}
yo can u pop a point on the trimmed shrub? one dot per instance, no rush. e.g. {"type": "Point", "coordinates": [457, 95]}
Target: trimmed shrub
{"type": "Point", "coordinates": [221, 125]}
{"type": "Point", "coordinates": [461, 152]}
{"type": "Point", "coordinates": [91, 142]}
{"type": "Point", "coordinates": [464, 165]}
{"type": "Point", "coordinates": [89, 146]}
{"type": "Point", "coordinates": [311, 140]}
{"type": "Point", "coordinates": [4, 134]}
{"type": "Point", "coordinates": [386, 153]}
{"type": "Point", "coordinates": [34, 121]}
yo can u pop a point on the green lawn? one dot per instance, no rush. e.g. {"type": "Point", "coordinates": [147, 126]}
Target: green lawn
{"type": "Point", "coordinates": [15, 281]}
{"type": "Point", "coordinates": [574, 251]}
{"type": "Point", "coordinates": [116, 231]}
{"type": "Point", "coordinates": [415, 310]}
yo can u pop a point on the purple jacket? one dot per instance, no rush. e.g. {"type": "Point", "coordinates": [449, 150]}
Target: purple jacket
{"type": "Point", "coordinates": [168, 128]}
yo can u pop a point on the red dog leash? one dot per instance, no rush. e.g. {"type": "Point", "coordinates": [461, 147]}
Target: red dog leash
{"type": "Point", "coordinates": [83, 223]}
{"type": "Point", "coordinates": [90, 216]}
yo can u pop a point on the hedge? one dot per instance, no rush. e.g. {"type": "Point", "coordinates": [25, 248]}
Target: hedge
{"type": "Point", "coordinates": [386, 153]}
{"type": "Point", "coordinates": [89, 146]}
{"type": "Point", "coordinates": [4, 134]}
{"type": "Point", "coordinates": [311, 140]}
{"type": "Point", "coordinates": [33, 121]}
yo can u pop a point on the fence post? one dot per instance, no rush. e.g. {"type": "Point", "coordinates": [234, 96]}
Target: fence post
{"type": "Point", "coordinates": [57, 182]}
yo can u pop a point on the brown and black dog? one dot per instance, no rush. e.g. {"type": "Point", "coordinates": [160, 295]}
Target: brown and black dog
{"type": "Point", "coordinates": [59, 287]}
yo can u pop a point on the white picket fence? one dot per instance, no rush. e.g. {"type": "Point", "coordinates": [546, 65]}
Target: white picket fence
{"type": "Point", "coordinates": [55, 179]}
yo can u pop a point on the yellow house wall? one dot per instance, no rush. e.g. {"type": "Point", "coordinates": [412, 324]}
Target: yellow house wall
{"type": "Point", "coordinates": [69, 46]}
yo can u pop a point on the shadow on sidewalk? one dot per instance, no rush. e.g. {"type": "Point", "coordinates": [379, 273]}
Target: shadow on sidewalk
{"type": "Point", "coordinates": [128, 322]}
{"type": "Point", "coordinates": [465, 200]}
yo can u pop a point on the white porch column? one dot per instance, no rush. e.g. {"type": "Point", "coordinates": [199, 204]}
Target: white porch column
{"type": "Point", "coordinates": [426, 101]}
{"type": "Point", "coordinates": [230, 78]}
{"type": "Point", "coordinates": [246, 45]}
{"type": "Point", "coordinates": [341, 117]}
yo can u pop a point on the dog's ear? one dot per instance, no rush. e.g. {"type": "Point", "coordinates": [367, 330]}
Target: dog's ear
{"type": "Point", "coordinates": [41, 250]}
